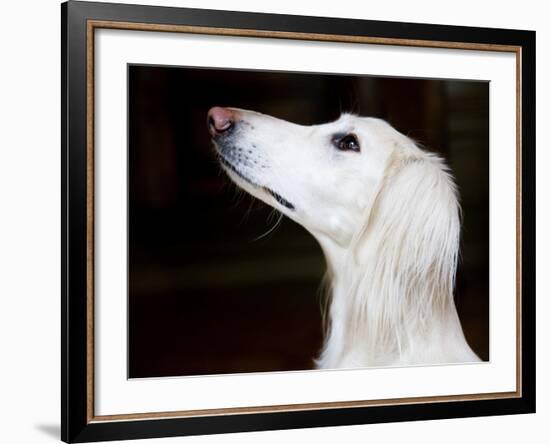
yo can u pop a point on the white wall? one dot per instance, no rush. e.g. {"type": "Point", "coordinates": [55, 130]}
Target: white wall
{"type": "Point", "coordinates": [30, 207]}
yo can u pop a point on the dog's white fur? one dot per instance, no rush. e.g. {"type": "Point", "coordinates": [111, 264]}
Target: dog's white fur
{"type": "Point", "coordinates": [387, 219]}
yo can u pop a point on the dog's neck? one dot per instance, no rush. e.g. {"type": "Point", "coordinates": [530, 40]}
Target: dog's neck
{"type": "Point", "coordinates": [371, 324]}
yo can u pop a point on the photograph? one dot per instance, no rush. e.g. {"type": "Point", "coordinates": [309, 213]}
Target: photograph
{"type": "Point", "coordinates": [288, 221]}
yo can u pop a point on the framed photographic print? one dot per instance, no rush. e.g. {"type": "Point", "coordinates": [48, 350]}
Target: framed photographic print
{"type": "Point", "coordinates": [276, 221]}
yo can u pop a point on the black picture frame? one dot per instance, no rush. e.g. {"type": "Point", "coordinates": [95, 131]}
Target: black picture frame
{"type": "Point", "coordinates": [77, 425]}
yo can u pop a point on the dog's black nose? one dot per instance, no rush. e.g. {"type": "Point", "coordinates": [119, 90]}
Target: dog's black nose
{"type": "Point", "coordinates": [220, 120]}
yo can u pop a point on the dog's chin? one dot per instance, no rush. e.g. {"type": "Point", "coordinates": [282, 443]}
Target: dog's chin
{"type": "Point", "coordinates": [253, 186]}
{"type": "Point", "coordinates": [236, 173]}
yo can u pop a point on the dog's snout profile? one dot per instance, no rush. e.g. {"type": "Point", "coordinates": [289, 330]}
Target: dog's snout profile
{"type": "Point", "coordinates": [220, 120]}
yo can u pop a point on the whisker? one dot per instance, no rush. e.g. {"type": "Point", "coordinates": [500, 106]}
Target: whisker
{"type": "Point", "coordinates": [248, 211]}
{"type": "Point", "coordinates": [277, 223]}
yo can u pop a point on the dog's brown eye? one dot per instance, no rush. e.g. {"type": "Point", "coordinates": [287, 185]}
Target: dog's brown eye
{"type": "Point", "coordinates": [348, 143]}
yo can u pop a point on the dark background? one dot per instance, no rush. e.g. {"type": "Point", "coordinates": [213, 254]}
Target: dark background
{"type": "Point", "coordinates": [206, 297]}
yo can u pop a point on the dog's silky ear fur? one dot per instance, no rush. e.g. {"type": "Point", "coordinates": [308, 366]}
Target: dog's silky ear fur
{"type": "Point", "coordinates": [407, 251]}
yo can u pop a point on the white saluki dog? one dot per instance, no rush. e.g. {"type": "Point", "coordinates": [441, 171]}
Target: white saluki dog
{"type": "Point", "coordinates": [387, 217]}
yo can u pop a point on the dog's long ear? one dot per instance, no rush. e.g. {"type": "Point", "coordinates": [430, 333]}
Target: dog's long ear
{"type": "Point", "coordinates": [408, 250]}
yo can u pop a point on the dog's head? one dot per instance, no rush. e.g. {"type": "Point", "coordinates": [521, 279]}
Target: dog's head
{"type": "Point", "coordinates": [325, 177]}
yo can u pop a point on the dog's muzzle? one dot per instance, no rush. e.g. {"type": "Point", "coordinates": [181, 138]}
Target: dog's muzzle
{"type": "Point", "coordinates": [221, 124]}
